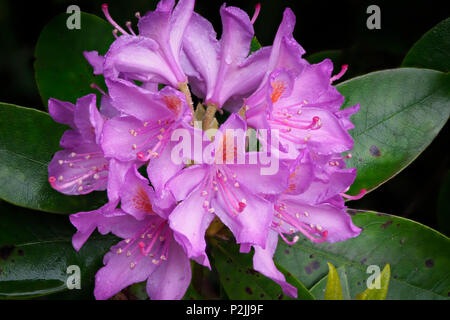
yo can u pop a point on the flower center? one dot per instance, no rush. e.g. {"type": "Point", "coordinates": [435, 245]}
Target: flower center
{"type": "Point", "coordinates": [142, 202]}
{"type": "Point", "coordinates": [173, 103]}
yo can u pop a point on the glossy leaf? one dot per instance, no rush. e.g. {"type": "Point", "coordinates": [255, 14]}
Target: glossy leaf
{"type": "Point", "coordinates": [28, 140]}
{"type": "Point", "coordinates": [192, 294]}
{"type": "Point", "coordinates": [418, 257]}
{"type": "Point", "coordinates": [36, 251]}
{"type": "Point", "coordinates": [333, 290]}
{"type": "Point", "coordinates": [137, 291]}
{"type": "Point", "coordinates": [374, 293]}
{"type": "Point", "coordinates": [61, 71]}
{"type": "Point", "coordinates": [432, 51]}
{"type": "Point", "coordinates": [242, 282]}
{"type": "Point", "coordinates": [402, 110]}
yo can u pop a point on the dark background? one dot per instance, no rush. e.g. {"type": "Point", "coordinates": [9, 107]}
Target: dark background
{"type": "Point", "coordinates": [321, 25]}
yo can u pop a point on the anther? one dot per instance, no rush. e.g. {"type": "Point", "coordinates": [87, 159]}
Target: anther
{"type": "Point", "coordinates": [140, 156]}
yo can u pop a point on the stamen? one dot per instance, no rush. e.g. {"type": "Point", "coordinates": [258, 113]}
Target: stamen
{"type": "Point", "coordinates": [111, 21]}
{"type": "Point", "coordinates": [95, 86]}
{"type": "Point", "coordinates": [340, 74]}
{"type": "Point", "coordinates": [128, 24]}
{"type": "Point", "coordinates": [255, 15]}
{"type": "Point", "coordinates": [361, 194]}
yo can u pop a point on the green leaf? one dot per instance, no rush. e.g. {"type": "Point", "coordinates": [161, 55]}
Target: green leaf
{"type": "Point", "coordinates": [137, 291]}
{"type": "Point", "coordinates": [61, 71]}
{"type": "Point", "coordinates": [36, 250]}
{"type": "Point", "coordinates": [28, 140]}
{"type": "Point", "coordinates": [374, 293]}
{"type": "Point", "coordinates": [418, 256]}
{"type": "Point", "coordinates": [192, 294]}
{"type": "Point", "coordinates": [432, 51]}
{"type": "Point", "coordinates": [255, 45]}
{"type": "Point", "coordinates": [242, 282]}
{"type": "Point", "coordinates": [334, 288]}
{"type": "Point", "coordinates": [401, 111]}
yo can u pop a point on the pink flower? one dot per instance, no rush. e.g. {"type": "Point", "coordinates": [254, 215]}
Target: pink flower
{"type": "Point", "coordinates": [148, 251]}
{"type": "Point", "coordinates": [228, 190]}
{"type": "Point", "coordinates": [82, 166]}
{"type": "Point", "coordinates": [220, 71]}
{"type": "Point", "coordinates": [153, 55]}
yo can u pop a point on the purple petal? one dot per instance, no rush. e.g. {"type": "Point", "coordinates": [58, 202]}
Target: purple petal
{"type": "Point", "coordinates": [336, 221]}
{"type": "Point", "coordinates": [252, 70]}
{"type": "Point", "coordinates": [119, 142]}
{"type": "Point", "coordinates": [261, 178]}
{"type": "Point", "coordinates": [87, 222]}
{"type": "Point", "coordinates": [79, 170]}
{"type": "Point", "coordinates": [117, 273]}
{"type": "Point", "coordinates": [160, 170]}
{"type": "Point", "coordinates": [183, 183]}
{"type": "Point", "coordinates": [189, 223]}
{"type": "Point", "coordinates": [85, 107]}
{"type": "Point", "coordinates": [62, 112]}
{"type": "Point", "coordinates": [107, 109]}
{"type": "Point", "coordinates": [313, 89]}
{"type": "Point", "coordinates": [251, 225]}
{"type": "Point", "coordinates": [181, 16]}
{"type": "Point", "coordinates": [236, 36]}
{"type": "Point", "coordinates": [116, 177]}
{"type": "Point", "coordinates": [136, 195]}
{"type": "Point", "coordinates": [171, 279]}
{"type": "Point", "coordinates": [137, 102]}
{"type": "Point", "coordinates": [201, 51]}
{"type": "Point", "coordinates": [320, 191]}
{"type": "Point", "coordinates": [286, 52]}
{"type": "Point", "coordinates": [263, 262]}
{"type": "Point", "coordinates": [139, 59]}
{"type": "Point", "coordinates": [345, 114]}
{"type": "Point", "coordinates": [95, 60]}
{"type": "Point", "coordinates": [71, 139]}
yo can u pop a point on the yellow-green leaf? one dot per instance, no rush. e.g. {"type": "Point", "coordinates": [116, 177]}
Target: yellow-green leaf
{"type": "Point", "coordinates": [334, 288]}
{"type": "Point", "coordinates": [381, 293]}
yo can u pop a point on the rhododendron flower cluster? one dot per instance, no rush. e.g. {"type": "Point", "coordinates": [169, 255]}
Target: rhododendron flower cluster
{"type": "Point", "coordinates": [162, 198]}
